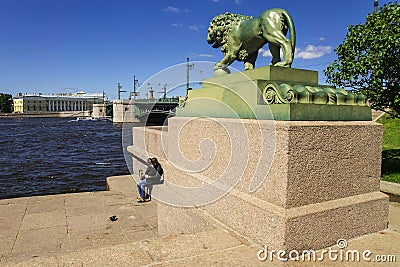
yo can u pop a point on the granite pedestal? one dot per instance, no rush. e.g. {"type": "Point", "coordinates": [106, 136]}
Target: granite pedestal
{"type": "Point", "coordinates": [296, 173]}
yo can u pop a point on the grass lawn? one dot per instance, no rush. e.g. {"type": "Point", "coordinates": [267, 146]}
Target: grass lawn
{"type": "Point", "coordinates": [391, 149]}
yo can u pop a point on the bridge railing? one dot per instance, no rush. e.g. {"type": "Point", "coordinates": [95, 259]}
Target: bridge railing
{"type": "Point", "coordinates": [157, 100]}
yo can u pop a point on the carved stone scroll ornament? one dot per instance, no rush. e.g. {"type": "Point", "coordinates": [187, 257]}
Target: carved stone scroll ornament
{"type": "Point", "coordinates": [274, 93]}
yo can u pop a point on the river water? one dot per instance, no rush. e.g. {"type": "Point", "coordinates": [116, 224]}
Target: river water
{"type": "Point", "coordinates": [41, 156]}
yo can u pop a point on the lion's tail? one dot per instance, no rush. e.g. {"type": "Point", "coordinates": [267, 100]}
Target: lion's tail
{"type": "Point", "coordinates": [291, 27]}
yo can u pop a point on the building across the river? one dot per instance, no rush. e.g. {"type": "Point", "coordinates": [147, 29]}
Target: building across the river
{"type": "Point", "coordinates": [58, 103]}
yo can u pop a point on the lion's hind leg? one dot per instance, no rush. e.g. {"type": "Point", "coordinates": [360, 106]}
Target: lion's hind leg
{"type": "Point", "coordinates": [278, 39]}
{"type": "Point", "coordinates": [275, 52]}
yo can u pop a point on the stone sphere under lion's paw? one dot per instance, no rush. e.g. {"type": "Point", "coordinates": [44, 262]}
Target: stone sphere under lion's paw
{"type": "Point", "coordinates": [221, 72]}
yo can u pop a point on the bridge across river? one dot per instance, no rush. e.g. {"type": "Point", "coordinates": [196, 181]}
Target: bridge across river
{"type": "Point", "coordinates": [155, 111]}
{"type": "Point", "coordinates": [149, 111]}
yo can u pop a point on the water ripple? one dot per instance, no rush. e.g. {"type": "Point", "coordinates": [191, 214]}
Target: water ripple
{"type": "Point", "coordinates": [41, 156]}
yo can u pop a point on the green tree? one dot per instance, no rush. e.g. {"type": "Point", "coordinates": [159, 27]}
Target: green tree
{"type": "Point", "coordinates": [6, 103]}
{"type": "Point", "coordinates": [369, 59]}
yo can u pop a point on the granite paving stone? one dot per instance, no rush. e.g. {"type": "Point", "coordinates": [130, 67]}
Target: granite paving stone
{"type": "Point", "coordinates": [234, 256]}
{"type": "Point", "coordinates": [118, 255]}
{"type": "Point", "coordinates": [43, 220]}
{"type": "Point", "coordinates": [12, 209]}
{"type": "Point", "coordinates": [9, 226]}
{"type": "Point", "coordinates": [36, 262]}
{"type": "Point", "coordinates": [39, 231]}
{"type": "Point", "coordinates": [179, 246]}
{"type": "Point", "coordinates": [6, 245]}
{"type": "Point", "coordinates": [41, 240]}
{"type": "Point", "coordinates": [88, 220]}
{"type": "Point", "coordinates": [134, 236]}
{"type": "Point", "coordinates": [107, 239]}
{"type": "Point", "coordinates": [105, 231]}
{"type": "Point", "coordinates": [77, 242]}
{"type": "Point", "coordinates": [49, 205]}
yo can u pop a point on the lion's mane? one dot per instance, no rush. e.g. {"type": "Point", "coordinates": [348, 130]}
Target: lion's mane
{"type": "Point", "coordinates": [220, 27]}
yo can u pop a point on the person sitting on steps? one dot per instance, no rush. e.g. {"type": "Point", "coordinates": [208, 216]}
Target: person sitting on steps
{"type": "Point", "coordinates": [150, 171]}
{"type": "Point", "coordinates": [153, 174]}
{"type": "Point", "coordinates": [158, 168]}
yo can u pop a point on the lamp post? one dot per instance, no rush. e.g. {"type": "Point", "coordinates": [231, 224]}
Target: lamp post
{"type": "Point", "coordinates": [135, 82]}
{"type": "Point", "coordinates": [119, 91]}
{"type": "Point", "coordinates": [164, 91]}
{"type": "Point", "coordinates": [189, 66]}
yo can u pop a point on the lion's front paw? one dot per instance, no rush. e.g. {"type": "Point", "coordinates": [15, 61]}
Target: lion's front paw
{"type": "Point", "coordinates": [218, 66]}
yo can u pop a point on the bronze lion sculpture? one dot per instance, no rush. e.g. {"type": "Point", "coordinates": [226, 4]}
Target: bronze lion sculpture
{"type": "Point", "coordinates": [240, 37]}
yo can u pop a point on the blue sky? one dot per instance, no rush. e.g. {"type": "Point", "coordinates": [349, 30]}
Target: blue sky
{"type": "Point", "coordinates": [52, 46]}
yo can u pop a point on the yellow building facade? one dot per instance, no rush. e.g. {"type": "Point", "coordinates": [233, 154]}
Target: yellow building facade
{"type": "Point", "coordinates": [55, 103]}
{"type": "Point", "coordinates": [18, 105]}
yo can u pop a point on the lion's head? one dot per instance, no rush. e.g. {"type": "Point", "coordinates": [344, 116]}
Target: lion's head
{"type": "Point", "coordinates": [220, 27]}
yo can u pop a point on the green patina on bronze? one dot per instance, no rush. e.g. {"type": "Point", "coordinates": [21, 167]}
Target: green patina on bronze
{"type": "Point", "coordinates": [273, 93]}
{"type": "Point", "coordinates": [268, 93]}
{"type": "Point", "coordinates": [240, 38]}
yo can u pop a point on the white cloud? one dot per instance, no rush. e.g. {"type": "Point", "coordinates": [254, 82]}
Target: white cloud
{"type": "Point", "coordinates": [264, 53]}
{"type": "Point", "coordinates": [309, 52]}
{"type": "Point", "coordinates": [216, 0]}
{"type": "Point", "coordinates": [238, 2]}
{"type": "Point", "coordinates": [196, 27]}
{"type": "Point", "coordinates": [204, 55]}
{"type": "Point", "coordinates": [176, 24]}
{"type": "Point", "coordinates": [194, 55]}
{"type": "Point", "coordinates": [312, 51]}
{"type": "Point", "coordinates": [172, 9]}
